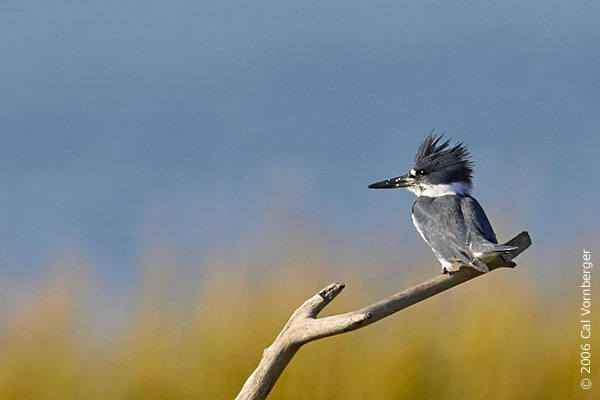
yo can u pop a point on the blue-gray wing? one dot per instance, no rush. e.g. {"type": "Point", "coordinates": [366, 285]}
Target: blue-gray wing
{"type": "Point", "coordinates": [457, 230]}
{"type": "Point", "coordinates": [440, 222]}
{"type": "Point", "coordinates": [478, 224]}
{"type": "Point", "coordinates": [481, 237]}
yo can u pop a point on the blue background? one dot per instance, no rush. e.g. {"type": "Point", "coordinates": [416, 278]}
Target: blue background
{"type": "Point", "coordinates": [123, 124]}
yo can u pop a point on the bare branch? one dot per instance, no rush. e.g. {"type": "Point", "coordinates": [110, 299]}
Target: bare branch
{"type": "Point", "coordinates": [304, 327]}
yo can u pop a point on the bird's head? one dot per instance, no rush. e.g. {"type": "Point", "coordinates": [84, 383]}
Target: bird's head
{"type": "Point", "coordinates": [436, 170]}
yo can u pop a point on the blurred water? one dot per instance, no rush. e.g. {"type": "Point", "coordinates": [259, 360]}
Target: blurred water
{"type": "Point", "coordinates": [204, 123]}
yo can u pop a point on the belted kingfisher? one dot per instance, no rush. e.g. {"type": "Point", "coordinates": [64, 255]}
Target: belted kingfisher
{"type": "Point", "coordinates": [445, 214]}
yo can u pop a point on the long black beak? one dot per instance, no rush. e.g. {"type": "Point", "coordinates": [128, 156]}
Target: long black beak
{"type": "Point", "coordinates": [398, 182]}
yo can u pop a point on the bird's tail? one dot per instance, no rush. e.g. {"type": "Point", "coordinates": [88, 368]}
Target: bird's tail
{"type": "Point", "coordinates": [520, 242]}
{"type": "Point", "coordinates": [504, 248]}
{"type": "Point", "coordinates": [488, 252]}
{"type": "Point", "coordinates": [515, 246]}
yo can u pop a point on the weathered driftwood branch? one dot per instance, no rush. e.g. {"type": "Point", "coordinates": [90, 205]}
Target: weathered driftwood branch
{"type": "Point", "coordinates": [304, 327]}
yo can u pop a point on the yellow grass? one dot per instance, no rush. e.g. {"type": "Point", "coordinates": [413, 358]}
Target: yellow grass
{"type": "Point", "coordinates": [502, 336]}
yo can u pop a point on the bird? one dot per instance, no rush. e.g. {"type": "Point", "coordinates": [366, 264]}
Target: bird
{"type": "Point", "coordinates": [446, 215]}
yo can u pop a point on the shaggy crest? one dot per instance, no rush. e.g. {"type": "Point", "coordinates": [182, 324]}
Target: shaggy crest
{"type": "Point", "coordinates": [444, 165]}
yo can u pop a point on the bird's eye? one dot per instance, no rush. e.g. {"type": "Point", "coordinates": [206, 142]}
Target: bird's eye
{"type": "Point", "coordinates": [421, 172]}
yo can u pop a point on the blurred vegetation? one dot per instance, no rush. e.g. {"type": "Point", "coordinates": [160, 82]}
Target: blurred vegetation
{"type": "Point", "coordinates": [177, 335]}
